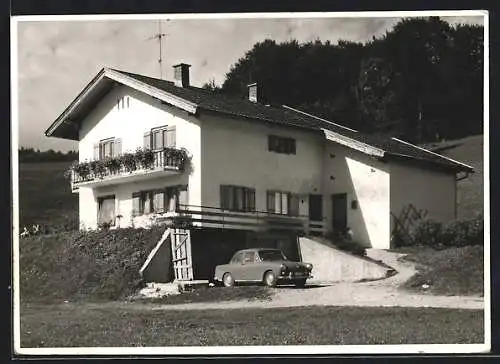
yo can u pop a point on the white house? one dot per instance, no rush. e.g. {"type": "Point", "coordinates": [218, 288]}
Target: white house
{"type": "Point", "coordinates": [246, 161]}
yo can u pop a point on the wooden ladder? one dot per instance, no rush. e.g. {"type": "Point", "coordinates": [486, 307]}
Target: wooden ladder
{"type": "Point", "coordinates": [181, 254]}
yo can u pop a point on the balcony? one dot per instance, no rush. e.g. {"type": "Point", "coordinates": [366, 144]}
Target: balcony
{"type": "Point", "coordinates": [129, 167]}
{"type": "Point", "coordinates": [214, 217]}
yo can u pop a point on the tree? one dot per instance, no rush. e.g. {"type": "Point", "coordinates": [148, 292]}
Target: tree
{"type": "Point", "coordinates": [422, 80]}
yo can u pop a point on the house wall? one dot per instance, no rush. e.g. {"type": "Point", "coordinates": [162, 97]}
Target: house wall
{"type": "Point", "coordinates": [235, 152]}
{"type": "Point", "coordinates": [425, 189]}
{"type": "Point", "coordinates": [366, 181]}
{"type": "Point", "coordinates": [130, 124]}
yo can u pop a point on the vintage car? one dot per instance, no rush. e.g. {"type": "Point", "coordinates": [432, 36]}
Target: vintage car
{"type": "Point", "coordinates": [269, 266]}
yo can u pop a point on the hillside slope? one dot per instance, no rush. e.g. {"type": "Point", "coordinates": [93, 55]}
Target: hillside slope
{"type": "Point", "coordinates": [84, 265]}
{"type": "Point", "coordinates": [45, 196]}
{"type": "Point", "coordinates": [470, 195]}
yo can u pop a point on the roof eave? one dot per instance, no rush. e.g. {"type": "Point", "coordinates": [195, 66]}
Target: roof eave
{"type": "Point", "coordinates": [125, 80]}
{"type": "Point", "coordinates": [71, 107]}
{"type": "Point", "coordinates": [354, 144]}
{"type": "Point", "coordinates": [459, 166]}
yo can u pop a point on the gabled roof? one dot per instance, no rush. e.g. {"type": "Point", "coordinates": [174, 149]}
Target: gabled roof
{"type": "Point", "coordinates": [196, 100]}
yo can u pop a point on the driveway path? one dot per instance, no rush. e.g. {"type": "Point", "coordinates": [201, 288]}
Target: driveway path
{"type": "Point", "coordinates": [385, 292]}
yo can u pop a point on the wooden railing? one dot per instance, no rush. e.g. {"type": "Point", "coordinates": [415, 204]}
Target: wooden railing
{"type": "Point", "coordinates": [255, 220]}
{"type": "Point", "coordinates": [162, 161]}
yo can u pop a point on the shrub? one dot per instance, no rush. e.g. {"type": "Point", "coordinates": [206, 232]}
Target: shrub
{"type": "Point", "coordinates": [456, 233]}
{"type": "Point", "coordinates": [427, 233]}
{"type": "Point", "coordinates": [465, 232]}
{"type": "Point", "coordinates": [91, 265]}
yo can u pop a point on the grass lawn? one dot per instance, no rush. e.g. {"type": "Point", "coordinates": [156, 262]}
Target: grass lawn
{"type": "Point", "coordinates": [452, 271]}
{"type": "Point", "coordinates": [81, 326]}
{"type": "Point", "coordinates": [217, 294]}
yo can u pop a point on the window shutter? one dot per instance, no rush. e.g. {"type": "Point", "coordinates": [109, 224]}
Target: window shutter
{"type": "Point", "coordinates": [147, 140]}
{"type": "Point", "coordinates": [224, 201]}
{"type": "Point", "coordinates": [270, 202]}
{"type": "Point", "coordinates": [170, 142]}
{"type": "Point", "coordinates": [117, 148]}
{"type": "Point", "coordinates": [159, 201]}
{"type": "Point", "coordinates": [136, 204]}
{"type": "Point", "coordinates": [251, 199]}
{"type": "Point", "coordinates": [183, 196]}
{"type": "Point", "coordinates": [294, 204]}
{"type": "Point", "coordinates": [96, 151]}
{"type": "Point", "coordinates": [147, 202]}
{"type": "Point", "coordinates": [284, 203]}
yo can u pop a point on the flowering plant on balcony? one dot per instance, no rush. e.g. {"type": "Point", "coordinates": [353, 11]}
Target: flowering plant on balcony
{"type": "Point", "coordinates": [130, 162]}
{"type": "Point", "coordinates": [97, 167]}
{"type": "Point", "coordinates": [114, 165]}
{"type": "Point", "coordinates": [179, 156]}
{"type": "Point", "coordinates": [145, 157]}
{"type": "Point", "coordinates": [81, 169]}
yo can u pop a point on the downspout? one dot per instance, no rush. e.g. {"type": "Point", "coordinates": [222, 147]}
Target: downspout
{"type": "Point", "coordinates": [457, 179]}
{"type": "Point", "coordinates": [463, 177]}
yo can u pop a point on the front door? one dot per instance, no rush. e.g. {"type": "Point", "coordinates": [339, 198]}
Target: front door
{"type": "Point", "coordinates": [339, 212]}
{"type": "Point", "coordinates": [315, 207]}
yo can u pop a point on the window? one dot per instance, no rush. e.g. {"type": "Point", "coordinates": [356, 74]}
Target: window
{"type": "Point", "coordinates": [281, 144]}
{"type": "Point", "coordinates": [283, 203]}
{"type": "Point", "coordinates": [123, 102]}
{"type": "Point", "coordinates": [107, 148]}
{"type": "Point", "coordinates": [249, 257]}
{"type": "Point", "coordinates": [160, 138]}
{"type": "Point", "coordinates": [271, 255]}
{"type": "Point", "coordinates": [237, 259]}
{"type": "Point", "coordinates": [106, 210]}
{"type": "Point", "coordinates": [157, 201]}
{"type": "Point", "coordinates": [237, 198]}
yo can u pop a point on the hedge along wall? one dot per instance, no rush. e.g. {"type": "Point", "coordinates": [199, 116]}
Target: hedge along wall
{"type": "Point", "coordinates": [91, 265]}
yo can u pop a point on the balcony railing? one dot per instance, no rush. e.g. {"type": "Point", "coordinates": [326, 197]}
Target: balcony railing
{"type": "Point", "coordinates": [254, 220]}
{"type": "Point", "coordinates": [129, 164]}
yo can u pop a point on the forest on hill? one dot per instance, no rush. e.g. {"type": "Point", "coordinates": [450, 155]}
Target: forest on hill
{"type": "Point", "coordinates": [421, 81]}
{"type": "Point", "coordinates": [31, 155]}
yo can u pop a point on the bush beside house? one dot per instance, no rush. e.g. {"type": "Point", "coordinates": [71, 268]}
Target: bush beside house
{"type": "Point", "coordinates": [456, 233]}
{"type": "Point", "coordinates": [92, 265]}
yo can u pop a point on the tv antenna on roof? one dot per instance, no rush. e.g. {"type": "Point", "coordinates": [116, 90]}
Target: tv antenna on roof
{"type": "Point", "coordinates": [159, 36]}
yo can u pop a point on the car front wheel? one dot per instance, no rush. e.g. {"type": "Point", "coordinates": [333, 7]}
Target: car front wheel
{"type": "Point", "coordinates": [270, 279]}
{"type": "Point", "coordinates": [228, 280]}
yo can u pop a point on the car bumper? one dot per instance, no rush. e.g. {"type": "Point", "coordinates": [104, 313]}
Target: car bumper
{"type": "Point", "coordinates": [293, 276]}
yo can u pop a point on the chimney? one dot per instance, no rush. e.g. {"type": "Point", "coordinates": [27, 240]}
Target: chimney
{"type": "Point", "coordinates": [252, 92]}
{"type": "Point", "coordinates": [181, 74]}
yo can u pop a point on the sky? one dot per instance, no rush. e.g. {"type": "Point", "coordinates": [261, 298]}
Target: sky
{"type": "Point", "coordinates": [56, 59]}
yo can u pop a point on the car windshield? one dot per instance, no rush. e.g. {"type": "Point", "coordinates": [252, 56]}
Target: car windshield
{"type": "Point", "coordinates": [271, 255]}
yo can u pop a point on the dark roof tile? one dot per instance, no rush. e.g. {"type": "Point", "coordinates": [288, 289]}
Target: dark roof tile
{"type": "Point", "coordinates": [209, 100]}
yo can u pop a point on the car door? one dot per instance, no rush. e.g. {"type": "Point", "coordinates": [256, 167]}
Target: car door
{"type": "Point", "coordinates": [248, 266]}
{"type": "Point", "coordinates": [236, 266]}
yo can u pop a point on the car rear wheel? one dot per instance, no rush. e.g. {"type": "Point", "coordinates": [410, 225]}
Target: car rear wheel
{"type": "Point", "coordinates": [270, 279]}
{"type": "Point", "coordinates": [228, 280]}
{"type": "Point", "coordinates": [300, 283]}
